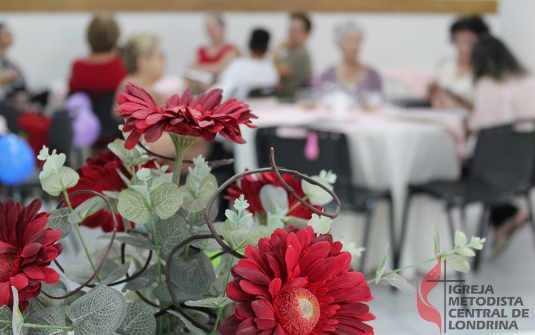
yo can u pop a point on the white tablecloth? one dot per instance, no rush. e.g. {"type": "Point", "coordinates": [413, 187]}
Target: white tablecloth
{"type": "Point", "coordinates": [389, 149]}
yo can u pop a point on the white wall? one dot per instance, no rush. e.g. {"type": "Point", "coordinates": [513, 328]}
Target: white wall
{"type": "Point", "coordinates": [46, 43]}
{"type": "Point", "coordinates": [518, 29]}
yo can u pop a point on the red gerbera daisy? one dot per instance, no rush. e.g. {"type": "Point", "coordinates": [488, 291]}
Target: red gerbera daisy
{"type": "Point", "coordinates": [297, 284]}
{"type": "Point", "coordinates": [100, 174]}
{"type": "Point", "coordinates": [251, 185]}
{"type": "Point", "coordinates": [203, 116]}
{"type": "Point", "coordinates": [26, 251]}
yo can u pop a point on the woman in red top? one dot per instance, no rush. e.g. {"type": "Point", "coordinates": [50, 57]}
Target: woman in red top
{"type": "Point", "coordinates": [214, 57]}
{"type": "Point", "coordinates": [102, 71]}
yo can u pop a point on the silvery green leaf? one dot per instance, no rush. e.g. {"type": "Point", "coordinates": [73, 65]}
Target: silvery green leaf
{"type": "Point", "coordinates": [51, 316]}
{"type": "Point", "coordinates": [85, 209]}
{"type": "Point", "coordinates": [316, 194]}
{"type": "Point", "coordinates": [460, 239]}
{"type": "Point", "coordinates": [5, 315]}
{"type": "Point", "coordinates": [275, 221]}
{"type": "Point", "coordinates": [144, 174]}
{"type": "Point", "coordinates": [161, 292]}
{"type": "Point", "coordinates": [133, 207]}
{"type": "Point", "coordinates": [52, 164]}
{"type": "Point", "coordinates": [146, 279]}
{"type": "Point", "coordinates": [166, 199]}
{"type": "Point", "coordinates": [98, 312]}
{"type": "Point", "coordinates": [117, 147]}
{"type": "Point", "coordinates": [170, 232]}
{"type": "Point", "coordinates": [232, 217]}
{"type": "Point", "coordinates": [436, 237]}
{"type": "Point", "coordinates": [142, 189]}
{"type": "Point", "coordinates": [209, 302]}
{"type": "Point", "coordinates": [194, 275]}
{"type": "Point", "coordinates": [74, 297]}
{"type": "Point", "coordinates": [218, 286]}
{"type": "Point", "coordinates": [116, 274]}
{"type": "Point", "coordinates": [139, 320]}
{"type": "Point", "coordinates": [33, 305]}
{"type": "Point", "coordinates": [273, 198]}
{"type": "Point", "coordinates": [206, 189]}
{"type": "Point", "coordinates": [64, 178]}
{"type": "Point", "coordinates": [466, 252]}
{"type": "Point", "coordinates": [321, 225]}
{"type": "Point", "coordinates": [457, 263]}
{"type": "Point", "coordinates": [207, 245]}
{"type": "Point", "coordinates": [17, 318]}
{"type": "Point", "coordinates": [477, 242]}
{"type": "Point", "coordinates": [193, 329]}
{"type": "Point", "coordinates": [197, 219]}
{"type": "Point", "coordinates": [140, 243]}
{"type": "Point", "coordinates": [58, 220]}
{"type": "Point", "coordinates": [56, 290]}
{"type": "Point", "coordinates": [81, 270]}
{"type": "Point", "coordinates": [244, 220]}
{"type": "Point", "coordinates": [241, 204]}
{"type": "Point", "coordinates": [398, 282]}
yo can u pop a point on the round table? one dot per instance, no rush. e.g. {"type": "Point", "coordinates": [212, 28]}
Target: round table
{"type": "Point", "coordinates": [390, 148]}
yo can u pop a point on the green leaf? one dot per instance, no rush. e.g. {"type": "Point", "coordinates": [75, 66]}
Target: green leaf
{"type": "Point", "coordinates": [197, 203]}
{"type": "Point", "coordinates": [81, 270]}
{"type": "Point", "coordinates": [161, 292]}
{"type": "Point", "coordinates": [56, 290]}
{"type": "Point", "coordinates": [457, 263]}
{"type": "Point", "coordinates": [56, 182]}
{"type": "Point", "coordinates": [466, 252]}
{"type": "Point", "coordinates": [58, 220]}
{"type": "Point", "coordinates": [146, 279]}
{"type": "Point", "coordinates": [398, 282]}
{"type": "Point", "coordinates": [5, 315]}
{"type": "Point", "coordinates": [132, 206]}
{"type": "Point", "coordinates": [117, 147]}
{"type": "Point", "coordinates": [166, 200]}
{"type": "Point", "coordinates": [170, 232]}
{"type": "Point", "coordinates": [74, 297]}
{"type": "Point", "coordinates": [85, 209]}
{"type": "Point", "coordinates": [17, 318]}
{"type": "Point", "coordinates": [98, 312]}
{"type": "Point", "coordinates": [209, 302]}
{"type": "Point", "coordinates": [193, 329]}
{"type": "Point", "coordinates": [140, 243]}
{"type": "Point", "coordinates": [139, 320]}
{"type": "Point", "coordinates": [273, 198]}
{"type": "Point", "coordinates": [381, 269]}
{"type": "Point", "coordinates": [241, 238]}
{"type": "Point", "coordinates": [194, 275]}
{"type": "Point", "coordinates": [116, 274]}
{"type": "Point", "coordinates": [460, 239]}
{"type": "Point", "coordinates": [51, 316]}
{"type": "Point", "coordinates": [436, 237]}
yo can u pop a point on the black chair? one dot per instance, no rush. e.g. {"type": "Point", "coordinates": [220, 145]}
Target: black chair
{"type": "Point", "coordinates": [263, 92]}
{"type": "Point", "coordinates": [501, 168]}
{"type": "Point", "coordinates": [10, 113]}
{"type": "Point", "coordinates": [109, 126]}
{"type": "Point", "coordinates": [61, 133]}
{"type": "Point", "coordinates": [333, 155]}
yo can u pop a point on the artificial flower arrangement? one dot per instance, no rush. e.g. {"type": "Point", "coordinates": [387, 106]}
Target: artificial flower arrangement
{"type": "Point", "coordinates": [165, 268]}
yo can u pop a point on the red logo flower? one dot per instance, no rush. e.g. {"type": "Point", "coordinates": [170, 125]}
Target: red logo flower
{"type": "Point", "coordinates": [427, 311]}
{"type": "Point", "coordinates": [26, 251]}
{"type": "Point", "coordinates": [297, 284]}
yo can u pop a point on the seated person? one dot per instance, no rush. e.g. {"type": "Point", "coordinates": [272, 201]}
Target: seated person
{"type": "Point", "coordinates": [350, 74]}
{"type": "Point", "coordinates": [245, 74]}
{"type": "Point", "coordinates": [292, 58]}
{"type": "Point", "coordinates": [453, 86]}
{"type": "Point", "coordinates": [504, 93]}
{"type": "Point", "coordinates": [11, 79]}
{"type": "Point", "coordinates": [215, 56]}
{"type": "Point", "coordinates": [101, 71]}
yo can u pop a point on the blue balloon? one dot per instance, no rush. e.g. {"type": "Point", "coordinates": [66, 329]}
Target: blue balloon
{"type": "Point", "coordinates": [17, 160]}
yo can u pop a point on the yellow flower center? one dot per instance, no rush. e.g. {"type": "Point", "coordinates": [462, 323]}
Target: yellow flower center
{"type": "Point", "coordinates": [7, 263]}
{"type": "Point", "coordinates": [299, 310]}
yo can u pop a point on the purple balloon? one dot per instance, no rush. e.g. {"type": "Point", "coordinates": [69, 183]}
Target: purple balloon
{"type": "Point", "coordinates": [85, 125]}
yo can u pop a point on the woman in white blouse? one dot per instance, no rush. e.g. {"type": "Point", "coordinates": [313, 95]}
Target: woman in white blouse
{"type": "Point", "coordinates": [504, 93]}
{"type": "Point", "coordinates": [453, 86]}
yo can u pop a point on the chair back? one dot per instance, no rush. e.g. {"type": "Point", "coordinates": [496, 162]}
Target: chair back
{"type": "Point", "coordinates": [330, 152]}
{"type": "Point", "coordinates": [503, 164]}
{"type": "Point", "coordinates": [102, 107]}
{"type": "Point", "coordinates": [60, 136]}
{"type": "Point", "coordinates": [11, 115]}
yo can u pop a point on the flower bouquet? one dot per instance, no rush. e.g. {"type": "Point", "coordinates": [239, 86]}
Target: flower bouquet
{"type": "Point", "coordinates": [164, 266]}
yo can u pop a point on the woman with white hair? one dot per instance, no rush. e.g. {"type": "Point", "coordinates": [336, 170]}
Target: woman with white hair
{"type": "Point", "coordinates": [350, 74]}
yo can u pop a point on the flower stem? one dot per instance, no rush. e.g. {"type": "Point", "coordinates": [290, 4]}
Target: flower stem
{"type": "Point", "coordinates": [67, 199]}
{"type": "Point", "coordinates": [181, 144]}
{"type": "Point", "coordinates": [216, 326]}
{"type": "Point", "coordinates": [157, 249]}
{"type": "Point", "coordinates": [31, 325]}
{"type": "Point", "coordinates": [86, 250]}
